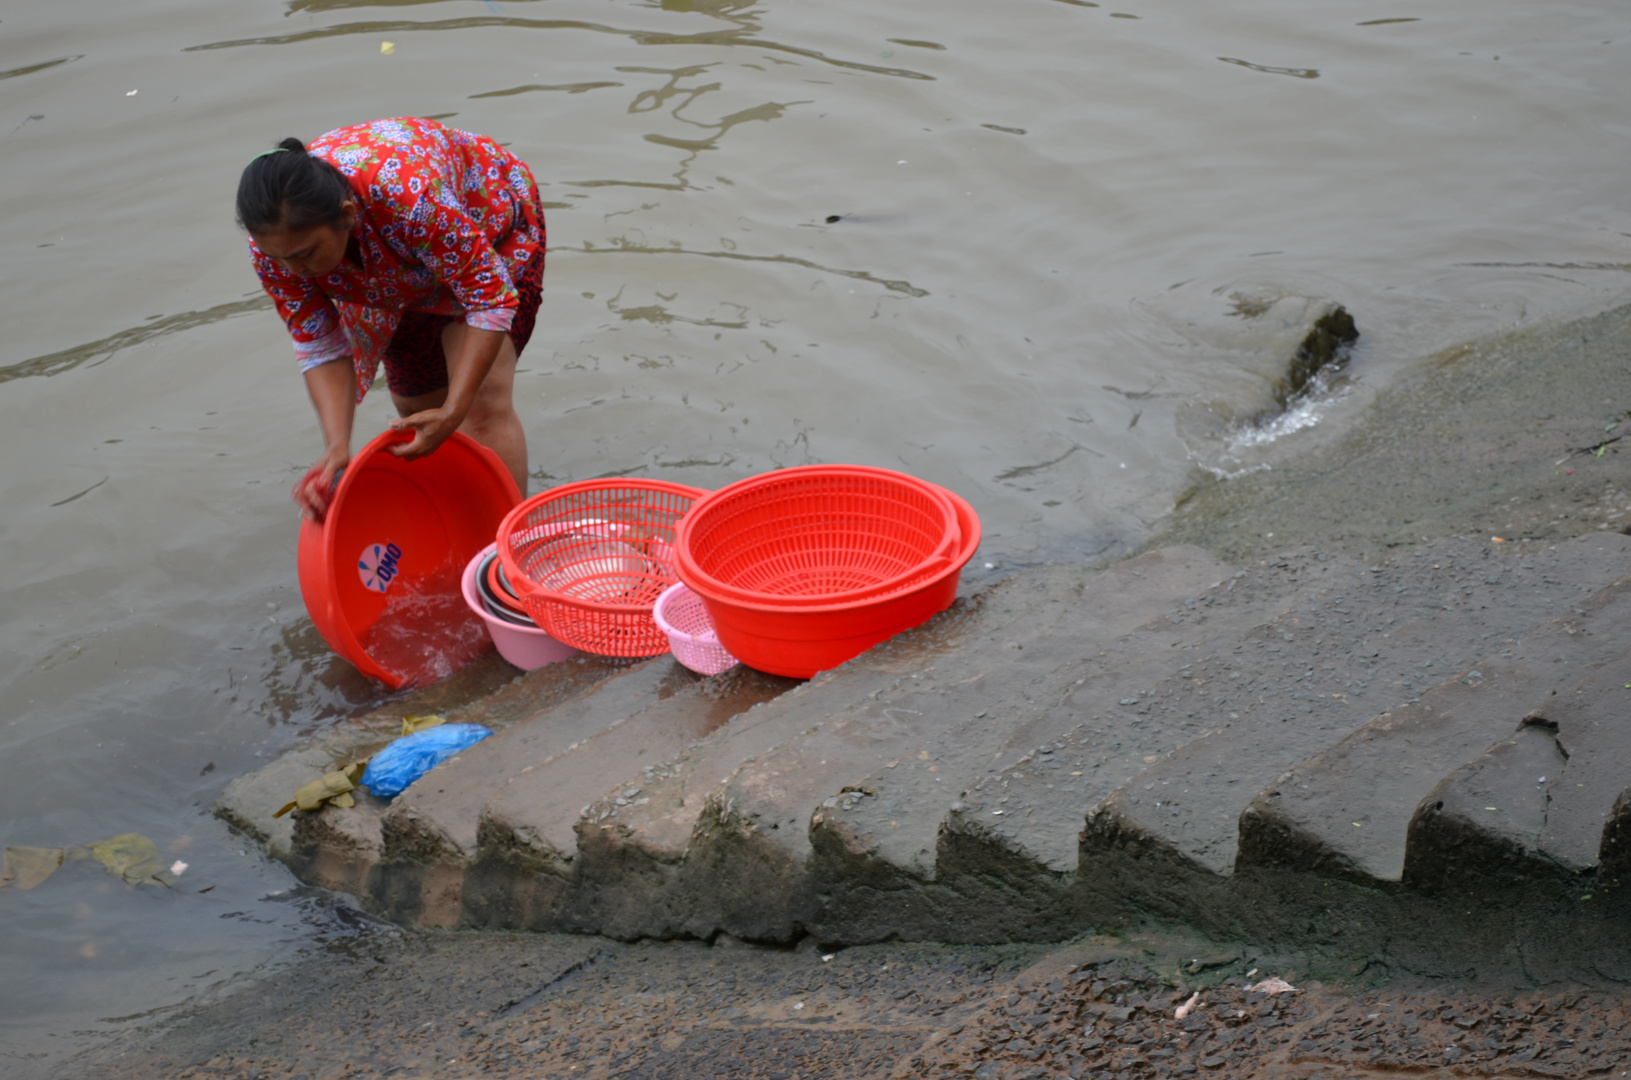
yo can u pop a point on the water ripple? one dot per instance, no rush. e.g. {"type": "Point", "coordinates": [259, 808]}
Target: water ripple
{"type": "Point", "coordinates": [859, 275]}
{"type": "Point", "coordinates": [736, 37]}
{"type": "Point", "coordinates": [29, 69]}
{"type": "Point", "coordinates": [532, 88]}
{"type": "Point", "coordinates": [68, 359]}
{"type": "Point", "coordinates": [1296, 73]}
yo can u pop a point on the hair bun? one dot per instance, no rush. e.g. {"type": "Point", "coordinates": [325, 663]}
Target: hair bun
{"type": "Point", "coordinates": [290, 187]}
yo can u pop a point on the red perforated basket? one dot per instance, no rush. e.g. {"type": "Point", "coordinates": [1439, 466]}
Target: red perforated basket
{"type": "Point", "coordinates": [818, 534]}
{"type": "Point", "coordinates": [588, 561]}
{"type": "Point", "coordinates": [800, 641]}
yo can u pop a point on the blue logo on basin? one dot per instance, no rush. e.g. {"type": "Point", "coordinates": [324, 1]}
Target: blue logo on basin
{"type": "Point", "coordinates": [377, 566]}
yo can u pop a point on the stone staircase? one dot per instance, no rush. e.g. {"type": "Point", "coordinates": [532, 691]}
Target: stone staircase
{"type": "Point", "coordinates": [1400, 764]}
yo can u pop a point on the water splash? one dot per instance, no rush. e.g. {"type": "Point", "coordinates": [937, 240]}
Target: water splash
{"type": "Point", "coordinates": [427, 631]}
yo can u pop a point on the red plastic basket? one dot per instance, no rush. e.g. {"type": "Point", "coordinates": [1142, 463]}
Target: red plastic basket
{"type": "Point", "coordinates": [801, 641]}
{"type": "Point", "coordinates": [818, 534]}
{"type": "Point", "coordinates": [588, 561]}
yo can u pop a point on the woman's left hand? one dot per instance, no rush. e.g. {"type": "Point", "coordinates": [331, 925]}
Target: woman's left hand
{"type": "Point", "coordinates": [430, 429]}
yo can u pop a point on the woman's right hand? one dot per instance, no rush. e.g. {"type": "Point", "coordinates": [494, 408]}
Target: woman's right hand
{"type": "Point", "coordinates": [314, 490]}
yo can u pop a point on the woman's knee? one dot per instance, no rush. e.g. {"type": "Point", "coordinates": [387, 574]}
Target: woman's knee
{"type": "Point", "coordinates": [407, 406]}
{"type": "Point", "coordinates": [493, 406]}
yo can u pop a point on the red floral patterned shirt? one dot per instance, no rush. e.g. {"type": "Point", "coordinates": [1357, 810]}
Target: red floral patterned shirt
{"type": "Point", "coordinates": [447, 221]}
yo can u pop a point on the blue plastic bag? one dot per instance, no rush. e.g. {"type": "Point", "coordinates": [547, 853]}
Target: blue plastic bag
{"type": "Point", "coordinates": [412, 756]}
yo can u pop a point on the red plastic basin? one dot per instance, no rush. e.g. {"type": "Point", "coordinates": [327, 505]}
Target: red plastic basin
{"type": "Point", "coordinates": [799, 642]}
{"type": "Point", "coordinates": [380, 575]}
{"type": "Point", "coordinates": [818, 534]}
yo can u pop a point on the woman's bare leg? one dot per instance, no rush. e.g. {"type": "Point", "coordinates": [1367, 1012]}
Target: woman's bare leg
{"type": "Point", "coordinates": [492, 420]}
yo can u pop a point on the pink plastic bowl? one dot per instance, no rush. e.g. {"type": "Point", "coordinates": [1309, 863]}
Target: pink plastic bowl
{"type": "Point", "coordinates": [681, 615]}
{"type": "Point", "coordinates": [524, 646]}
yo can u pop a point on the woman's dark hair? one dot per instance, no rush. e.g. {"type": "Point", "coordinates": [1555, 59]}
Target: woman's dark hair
{"type": "Point", "coordinates": [289, 188]}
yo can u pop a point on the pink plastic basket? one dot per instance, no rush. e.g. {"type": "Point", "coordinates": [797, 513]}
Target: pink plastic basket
{"type": "Point", "coordinates": [681, 615]}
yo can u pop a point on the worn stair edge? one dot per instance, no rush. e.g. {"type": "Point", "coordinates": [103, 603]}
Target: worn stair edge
{"type": "Point", "coordinates": [1347, 811]}
{"type": "Point", "coordinates": [430, 831]}
{"type": "Point", "coordinates": [1556, 812]}
{"type": "Point", "coordinates": [341, 849]}
{"type": "Point", "coordinates": [1614, 853]}
{"type": "Point", "coordinates": [768, 811]}
{"type": "Point", "coordinates": [1297, 823]}
{"type": "Point", "coordinates": [653, 869]}
{"type": "Point", "coordinates": [1268, 899]}
{"type": "Point", "coordinates": [488, 690]}
{"type": "Point", "coordinates": [1021, 823]}
{"type": "Point", "coordinates": [1593, 723]}
{"type": "Point", "coordinates": [248, 802]}
{"type": "Point", "coordinates": [1541, 930]}
{"type": "Point", "coordinates": [1479, 828]}
{"type": "Point", "coordinates": [668, 868]}
{"type": "Point", "coordinates": [1432, 609]}
{"type": "Point", "coordinates": [1018, 687]}
{"type": "Point", "coordinates": [986, 887]}
{"type": "Point", "coordinates": [533, 820]}
{"type": "Point", "coordinates": [892, 660]}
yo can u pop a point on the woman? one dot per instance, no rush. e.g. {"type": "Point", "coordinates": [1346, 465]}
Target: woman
{"type": "Point", "coordinates": [410, 244]}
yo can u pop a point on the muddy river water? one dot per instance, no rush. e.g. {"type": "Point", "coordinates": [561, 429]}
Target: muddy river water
{"type": "Point", "coordinates": [1006, 246]}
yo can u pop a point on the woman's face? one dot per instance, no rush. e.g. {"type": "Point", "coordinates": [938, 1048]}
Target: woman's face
{"type": "Point", "coordinates": [312, 252]}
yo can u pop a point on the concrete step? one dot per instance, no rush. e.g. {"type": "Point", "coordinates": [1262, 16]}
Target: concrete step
{"type": "Point", "coordinates": [1548, 802]}
{"type": "Point", "coordinates": [409, 857]}
{"type": "Point", "coordinates": [344, 850]}
{"type": "Point", "coordinates": [1593, 720]}
{"type": "Point", "coordinates": [937, 786]}
{"type": "Point", "coordinates": [487, 691]}
{"type": "Point", "coordinates": [570, 746]}
{"type": "Point", "coordinates": [341, 850]}
{"type": "Point", "coordinates": [528, 873]}
{"type": "Point", "coordinates": [430, 829]}
{"type": "Point", "coordinates": [719, 836]}
{"type": "Point", "coordinates": [1348, 811]}
{"type": "Point", "coordinates": [1614, 867]}
{"type": "Point", "coordinates": [899, 855]}
{"type": "Point", "coordinates": [1482, 823]}
{"type": "Point", "coordinates": [840, 820]}
{"type": "Point", "coordinates": [1363, 645]}
{"type": "Point", "coordinates": [652, 866]}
